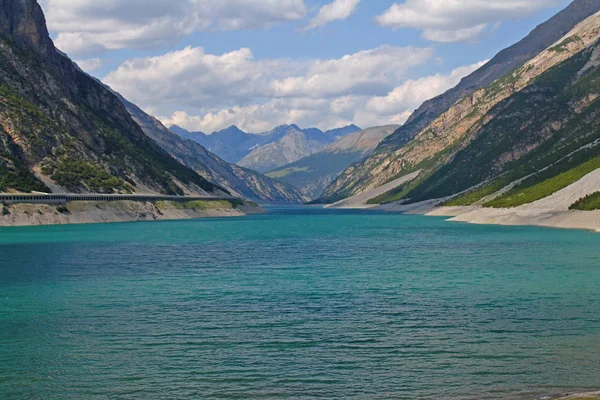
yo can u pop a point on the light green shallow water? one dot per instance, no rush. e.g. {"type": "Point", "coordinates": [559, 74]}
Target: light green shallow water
{"type": "Point", "coordinates": [298, 304]}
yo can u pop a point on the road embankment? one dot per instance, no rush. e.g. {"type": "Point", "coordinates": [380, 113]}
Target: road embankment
{"type": "Point", "coordinates": [90, 212]}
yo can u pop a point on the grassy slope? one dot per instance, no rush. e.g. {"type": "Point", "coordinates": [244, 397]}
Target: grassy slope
{"type": "Point", "coordinates": [201, 205]}
{"type": "Point", "coordinates": [529, 191]}
{"type": "Point", "coordinates": [77, 131]}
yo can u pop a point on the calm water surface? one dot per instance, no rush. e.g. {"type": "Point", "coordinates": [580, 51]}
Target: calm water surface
{"type": "Point", "coordinates": [298, 304]}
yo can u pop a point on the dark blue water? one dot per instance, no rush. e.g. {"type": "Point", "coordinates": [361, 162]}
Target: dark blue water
{"type": "Point", "coordinates": [298, 304]}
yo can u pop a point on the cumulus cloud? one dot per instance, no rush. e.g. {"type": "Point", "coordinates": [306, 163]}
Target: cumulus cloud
{"type": "Point", "coordinates": [85, 27]}
{"type": "Point", "coordinates": [337, 10]}
{"type": "Point", "coordinates": [260, 117]}
{"type": "Point", "coordinates": [206, 92]}
{"type": "Point", "coordinates": [457, 20]}
{"type": "Point", "coordinates": [413, 93]}
{"type": "Point", "coordinates": [194, 78]}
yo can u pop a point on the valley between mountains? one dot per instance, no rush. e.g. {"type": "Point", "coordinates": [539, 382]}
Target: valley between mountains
{"type": "Point", "coordinates": [515, 142]}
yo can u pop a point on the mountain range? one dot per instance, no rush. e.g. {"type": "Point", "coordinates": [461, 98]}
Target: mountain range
{"type": "Point", "coordinates": [264, 151]}
{"type": "Point", "coordinates": [521, 138]}
{"type": "Point", "coordinates": [237, 180]}
{"type": "Point", "coordinates": [516, 131]}
{"type": "Point", "coordinates": [313, 173]}
{"type": "Point", "coordinates": [390, 161]}
{"type": "Point", "coordinates": [62, 130]}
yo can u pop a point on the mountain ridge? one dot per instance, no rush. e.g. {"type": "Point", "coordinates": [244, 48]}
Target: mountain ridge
{"type": "Point", "coordinates": [62, 130]}
{"type": "Point", "coordinates": [233, 144]}
{"type": "Point", "coordinates": [360, 178]}
{"type": "Point", "coordinates": [523, 138]}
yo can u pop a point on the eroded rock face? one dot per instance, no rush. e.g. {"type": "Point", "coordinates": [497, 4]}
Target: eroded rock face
{"type": "Point", "coordinates": [23, 21]}
{"type": "Point", "coordinates": [364, 176]}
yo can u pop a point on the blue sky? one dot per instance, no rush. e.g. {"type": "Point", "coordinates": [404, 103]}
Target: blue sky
{"type": "Point", "coordinates": [206, 65]}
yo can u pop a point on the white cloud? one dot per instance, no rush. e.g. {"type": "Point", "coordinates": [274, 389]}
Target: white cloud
{"type": "Point", "coordinates": [457, 20]}
{"type": "Point", "coordinates": [90, 65]}
{"type": "Point", "coordinates": [208, 92]}
{"type": "Point", "coordinates": [85, 27]}
{"type": "Point", "coordinates": [337, 10]}
{"type": "Point", "coordinates": [259, 117]}
{"type": "Point", "coordinates": [415, 92]}
{"type": "Point", "coordinates": [457, 35]}
{"type": "Point", "coordinates": [393, 108]}
{"type": "Point", "coordinates": [193, 78]}
{"type": "Point", "coordinates": [366, 72]}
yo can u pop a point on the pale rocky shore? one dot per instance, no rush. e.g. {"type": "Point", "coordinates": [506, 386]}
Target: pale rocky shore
{"type": "Point", "coordinates": [552, 211]}
{"type": "Point", "coordinates": [529, 215]}
{"type": "Point", "coordinates": [588, 220]}
{"type": "Point", "coordinates": [118, 211]}
{"type": "Point", "coordinates": [582, 396]}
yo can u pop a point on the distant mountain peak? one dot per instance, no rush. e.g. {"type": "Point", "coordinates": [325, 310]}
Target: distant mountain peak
{"type": "Point", "coordinates": [231, 129]}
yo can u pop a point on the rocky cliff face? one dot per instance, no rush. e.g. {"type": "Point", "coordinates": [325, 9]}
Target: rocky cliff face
{"type": "Point", "coordinates": [359, 178]}
{"type": "Point", "coordinates": [62, 130]}
{"type": "Point", "coordinates": [23, 22]}
{"type": "Point", "coordinates": [532, 124]}
{"type": "Point", "coordinates": [239, 181]}
{"type": "Point", "coordinates": [531, 145]}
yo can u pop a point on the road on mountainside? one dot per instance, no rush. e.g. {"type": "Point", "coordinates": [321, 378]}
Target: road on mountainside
{"type": "Point", "coordinates": [42, 198]}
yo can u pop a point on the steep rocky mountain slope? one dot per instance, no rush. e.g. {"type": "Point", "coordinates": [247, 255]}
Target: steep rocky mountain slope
{"type": "Point", "coordinates": [524, 137]}
{"type": "Point", "coordinates": [233, 144]}
{"type": "Point", "coordinates": [313, 173]}
{"type": "Point", "coordinates": [374, 171]}
{"type": "Point", "coordinates": [237, 180]}
{"type": "Point", "coordinates": [537, 142]}
{"type": "Point", "coordinates": [293, 146]}
{"type": "Point", "coordinates": [62, 130]}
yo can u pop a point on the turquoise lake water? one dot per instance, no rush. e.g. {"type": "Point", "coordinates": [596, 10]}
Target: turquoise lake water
{"type": "Point", "coordinates": [298, 304]}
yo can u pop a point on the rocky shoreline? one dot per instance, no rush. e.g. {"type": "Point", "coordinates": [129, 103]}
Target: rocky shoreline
{"type": "Point", "coordinates": [553, 211]}
{"type": "Point", "coordinates": [119, 211]}
{"type": "Point", "coordinates": [581, 396]}
{"type": "Point", "coordinates": [585, 220]}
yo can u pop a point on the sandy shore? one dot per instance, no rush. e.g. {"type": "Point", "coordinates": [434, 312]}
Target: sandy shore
{"type": "Point", "coordinates": [552, 211]}
{"type": "Point", "coordinates": [588, 220]}
{"type": "Point", "coordinates": [118, 211]}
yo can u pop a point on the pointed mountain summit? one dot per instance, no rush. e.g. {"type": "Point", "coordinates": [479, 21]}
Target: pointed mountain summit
{"type": "Point", "coordinates": [233, 144]}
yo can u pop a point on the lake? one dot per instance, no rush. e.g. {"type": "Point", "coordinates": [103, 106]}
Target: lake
{"type": "Point", "coordinates": [298, 303]}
